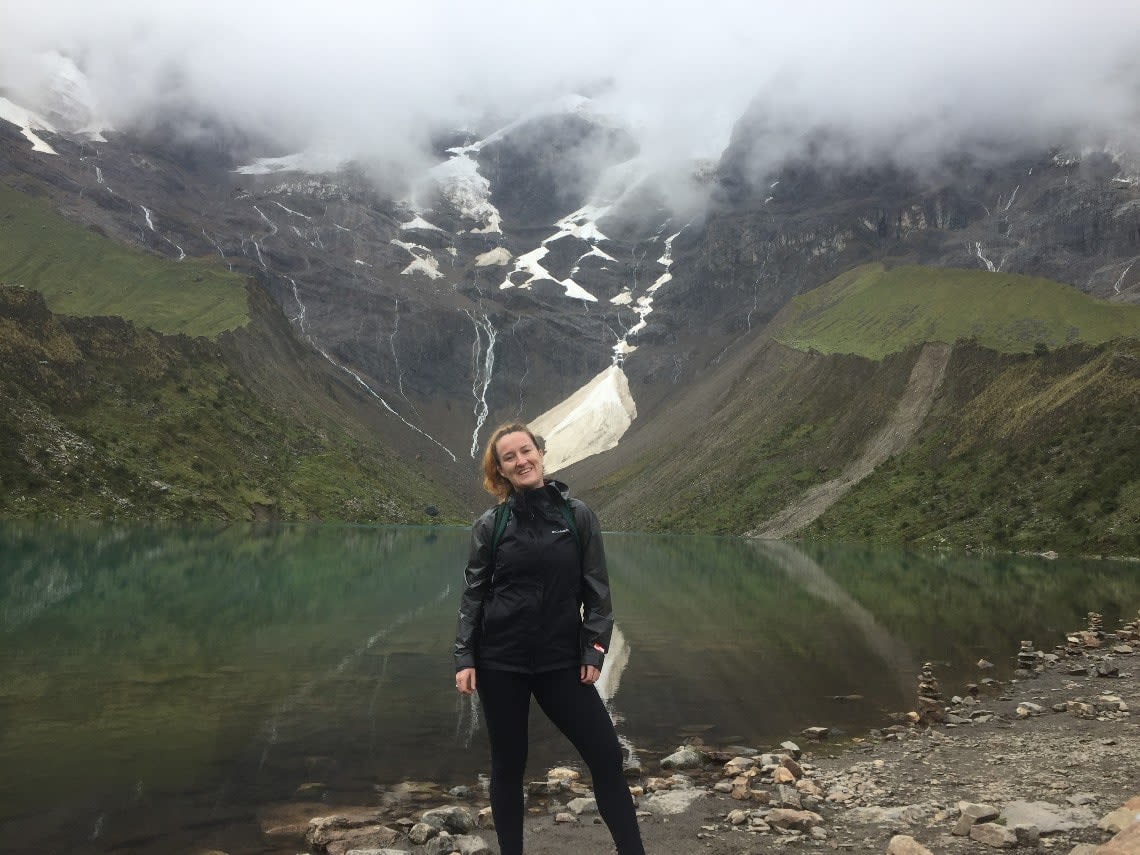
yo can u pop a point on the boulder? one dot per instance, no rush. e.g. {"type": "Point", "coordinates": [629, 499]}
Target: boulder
{"type": "Point", "coordinates": [970, 814]}
{"type": "Point", "coordinates": [904, 844]}
{"type": "Point", "coordinates": [581, 805]}
{"type": "Point", "coordinates": [1127, 842]}
{"type": "Point", "coordinates": [421, 833]}
{"type": "Point", "coordinates": [1048, 818]}
{"type": "Point", "coordinates": [454, 820]}
{"type": "Point", "coordinates": [801, 820]}
{"type": "Point", "coordinates": [994, 835]}
{"type": "Point", "coordinates": [685, 757]}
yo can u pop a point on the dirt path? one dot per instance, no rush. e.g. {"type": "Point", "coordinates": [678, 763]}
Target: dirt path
{"type": "Point", "coordinates": [909, 414]}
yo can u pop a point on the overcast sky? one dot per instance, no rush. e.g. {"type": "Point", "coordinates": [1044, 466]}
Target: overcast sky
{"type": "Point", "coordinates": [364, 77]}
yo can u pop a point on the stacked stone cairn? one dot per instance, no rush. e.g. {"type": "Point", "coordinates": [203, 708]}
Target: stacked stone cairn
{"type": "Point", "coordinates": [1028, 660]}
{"type": "Point", "coordinates": [1087, 639]}
{"type": "Point", "coordinates": [931, 705]}
{"type": "Point", "coordinates": [1130, 631]}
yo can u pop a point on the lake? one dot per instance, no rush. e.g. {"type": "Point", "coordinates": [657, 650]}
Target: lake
{"type": "Point", "coordinates": [158, 686]}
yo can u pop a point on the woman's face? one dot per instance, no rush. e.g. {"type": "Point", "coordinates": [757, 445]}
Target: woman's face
{"type": "Point", "coordinates": [520, 461]}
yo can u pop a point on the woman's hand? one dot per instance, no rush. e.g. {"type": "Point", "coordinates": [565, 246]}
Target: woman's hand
{"type": "Point", "coordinates": [588, 675]}
{"type": "Point", "coordinates": [465, 681]}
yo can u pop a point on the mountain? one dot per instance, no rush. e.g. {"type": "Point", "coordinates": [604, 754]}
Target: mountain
{"type": "Point", "coordinates": [662, 323]}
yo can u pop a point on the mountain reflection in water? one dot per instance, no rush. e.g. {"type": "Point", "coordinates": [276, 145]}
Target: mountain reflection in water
{"type": "Point", "coordinates": [168, 678]}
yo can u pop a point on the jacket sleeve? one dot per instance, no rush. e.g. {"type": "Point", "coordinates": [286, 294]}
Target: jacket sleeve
{"type": "Point", "coordinates": [476, 586]}
{"type": "Point", "coordinates": [598, 613]}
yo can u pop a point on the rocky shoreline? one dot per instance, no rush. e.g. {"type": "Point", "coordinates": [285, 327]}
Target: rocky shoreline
{"type": "Point", "coordinates": [1047, 762]}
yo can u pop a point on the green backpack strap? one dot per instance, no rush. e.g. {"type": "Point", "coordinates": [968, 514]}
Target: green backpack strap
{"type": "Point", "coordinates": [502, 514]}
{"type": "Point", "coordinates": [568, 515]}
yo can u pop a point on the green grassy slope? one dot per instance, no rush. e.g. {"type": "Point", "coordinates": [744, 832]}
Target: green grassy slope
{"type": "Point", "coordinates": [1025, 452]}
{"type": "Point", "coordinates": [788, 421]}
{"type": "Point", "coordinates": [873, 311]}
{"type": "Point", "coordinates": [1027, 445]}
{"type": "Point", "coordinates": [101, 419]}
{"type": "Point", "coordinates": [84, 274]}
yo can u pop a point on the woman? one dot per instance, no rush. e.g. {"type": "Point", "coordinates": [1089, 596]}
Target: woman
{"type": "Point", "coordinates": [535, 619]}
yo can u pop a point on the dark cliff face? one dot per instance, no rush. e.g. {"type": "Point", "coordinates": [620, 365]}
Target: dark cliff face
{"type": "Point", "coordinates": [546, 168]}
{"type": "Point", "coordinates": [420, 315]}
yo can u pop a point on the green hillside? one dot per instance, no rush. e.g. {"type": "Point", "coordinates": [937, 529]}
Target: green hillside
{"type": "Point", "coordinates": [100, 419]}
{"type": "Point", "coordinates": [1019, 452]}
{"type": "Point", "coordinates": [872, 311]}
{"type": "Point", "coordinates": [84, 274]}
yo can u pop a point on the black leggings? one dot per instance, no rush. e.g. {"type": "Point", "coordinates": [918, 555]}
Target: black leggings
{"type": "Point", "coordinates": [578, 712]}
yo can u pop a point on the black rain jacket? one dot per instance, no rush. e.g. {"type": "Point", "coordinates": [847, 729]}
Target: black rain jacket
{"type": "Point", "coordinates": [545, 603]}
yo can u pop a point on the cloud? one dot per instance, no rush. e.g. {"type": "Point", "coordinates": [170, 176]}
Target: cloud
{"type": "Point", "coordinates": [375, 80]}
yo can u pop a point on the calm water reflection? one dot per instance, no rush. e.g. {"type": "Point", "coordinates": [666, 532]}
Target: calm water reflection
{"type": "Point", "coordinates": [158, 683]}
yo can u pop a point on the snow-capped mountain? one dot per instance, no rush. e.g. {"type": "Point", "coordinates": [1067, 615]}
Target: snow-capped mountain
{"type": "Point", "coordinates": [541, 269]}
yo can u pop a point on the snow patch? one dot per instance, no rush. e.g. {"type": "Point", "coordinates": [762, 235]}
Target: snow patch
{"type": "Point", "coordinates": [28, 123]}
{"type": "Point", "coordinates": [530, 263]}
{"type": "Point", "coordinates": [422, 224]}
{"type": "Point", "coordinates": [469, 192]}
{"type": "Point", "coordinates": [301, 161]}
{"type": "Point", "coordinates": [590, 421]}
{"type": "Point", "coordinates": [499, 256]}
{"type": "Point", "coordinates": [422, 260]}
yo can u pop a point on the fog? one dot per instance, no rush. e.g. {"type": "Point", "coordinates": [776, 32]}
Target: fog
{"type": "Point", "coordinates": [375, 80]}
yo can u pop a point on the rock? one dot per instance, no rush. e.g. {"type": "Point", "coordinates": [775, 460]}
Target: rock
{"type": "Point", "coordinates": [543, 788]}
{"type": "Point", "coordinates": [1025, 709]}
{"type": "Point", "coordinates": [792, 749]}
{"type": "Point", "coordinates": [786, 797]}
{"type": "Point", "coordinates": [1121, 818]}
{"type": "Point", "coordinates": [985, 664]}
{"type": "Point", "coordinates": [580, 806]}
{"type": "Point", "coordinates": [421, 833]}
{"type": "Point", "coordinates": [816, 732]}
{"type": "Point", "coordinates": [685, 757]}
{"type": "Point", "coordinates": [341, 832]}
{"type": "Point", "coordinates": [460, 792]}
{"type": "Point", "coordinates": [738, 765]}
{"type": "Point", "coordinates": [672, 802]}
{"type": "Point", "coordinates": [723, 786]}
{"type": "Point", "coordinates": [1027, 835]}
{"type": "Point", "coordinates": [562, 773]}
{"type": "Point", "coordinates": [565, 817]}
{"type": "Point", "coordinates": [908, 814]}
{"type": "Point", "coordinates": [485, 819]}
{"type": "Point", "coordinates": [1107, 669]}
{"type": "Point", "coordinates": [465, 844]}
{"type": "Point", "coordinates": [742, 788]}
{"type": "Point", "coordinates": [454, 820]}
{"type": "Point", "coordinates": [1122, 649]}
{"type": "Point", "coordinates": [737, 817]}
{"type": "Point", "coordinates": [1127, 842]}
{"type": "Point", "coordinates": [994, 835]}
{"type": "Point", "coordinates": [376, 852]}
{"type": "Point", "coordinates": [792, 766]}
{"type": "Point", "coordinates": [797, 819]}
{"type": "Point", "coordinates": [903, 844]}
{"type": "Point", "coordinates": [780, 775]}
{"type": "Point", "coordinates": [1048, 818]}
{"type": "Point", "coordinates": [1081, 799]}
{"type": "Point", "coordinates": [1084, 849]}
{"type": "Point", "coordinates": [806, 786]}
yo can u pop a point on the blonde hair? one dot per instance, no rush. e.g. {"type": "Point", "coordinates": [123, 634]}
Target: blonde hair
{"type": "Point", "coordinates": [493, 480]}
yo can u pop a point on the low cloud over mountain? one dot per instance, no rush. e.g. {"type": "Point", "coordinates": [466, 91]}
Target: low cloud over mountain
{"type": "Point", "coordinates": [376, 81]}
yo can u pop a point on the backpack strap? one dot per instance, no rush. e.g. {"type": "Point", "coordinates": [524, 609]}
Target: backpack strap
{"type": "Point", "coordinates": [568, 515]}
{"type": "Point", "coordinates": [502, 514]}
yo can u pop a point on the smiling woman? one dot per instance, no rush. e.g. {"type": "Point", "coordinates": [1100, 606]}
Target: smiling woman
{"type": "Point", "coordinates": [536, 619]}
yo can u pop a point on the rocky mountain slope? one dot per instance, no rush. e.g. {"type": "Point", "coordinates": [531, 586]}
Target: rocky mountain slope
{"type": "Point", "coordinates": [542, 259]}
